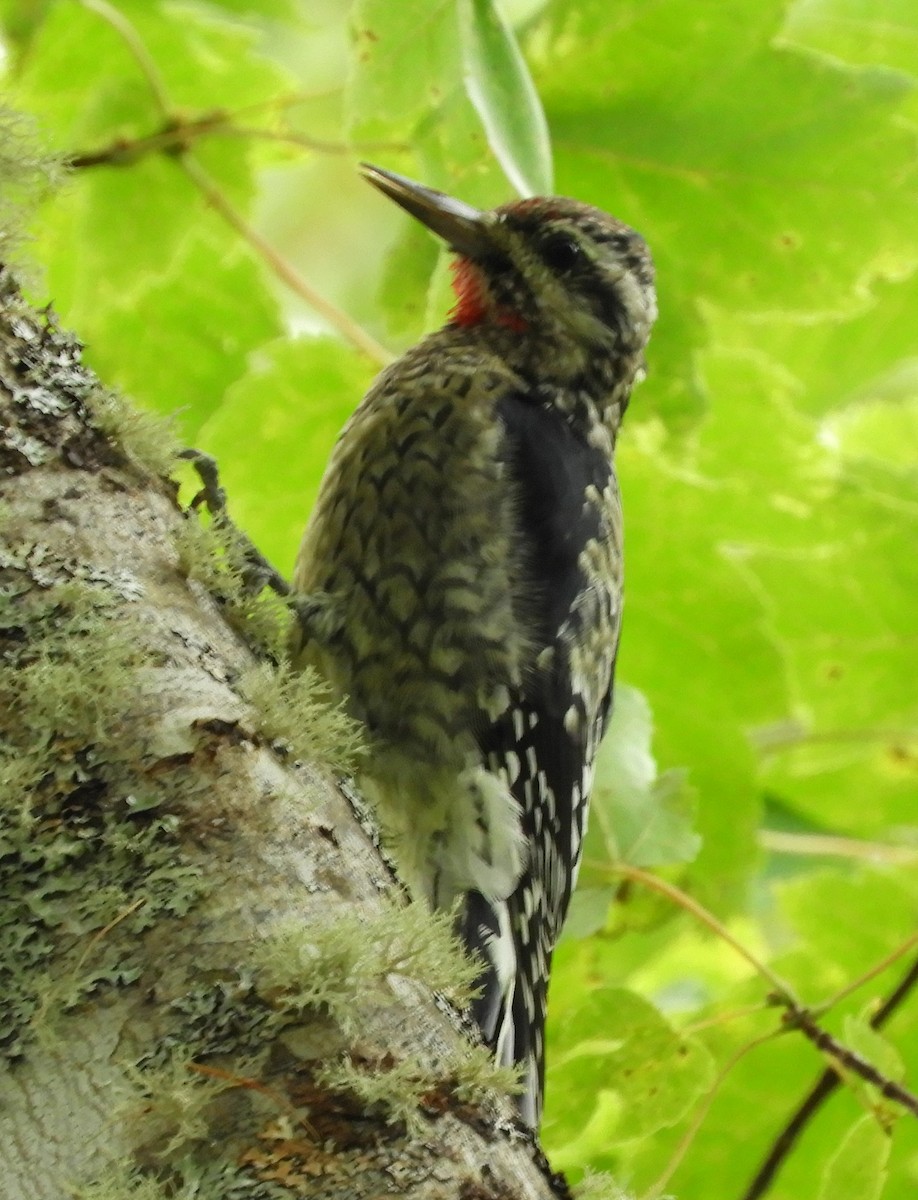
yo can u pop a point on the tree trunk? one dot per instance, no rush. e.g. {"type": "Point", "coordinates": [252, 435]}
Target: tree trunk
{"type": "Point", "coordinates": [209, 985]}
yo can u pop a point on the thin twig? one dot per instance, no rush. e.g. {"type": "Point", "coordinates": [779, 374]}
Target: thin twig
{"type": "Point", "coordinates": [825, 1085]}
{"type": "Point", "coordinates": [180, 134]}
{"type": "Point", "coordinates": [786, 1139]}
{"type": "Point", "coordinates": [851, 1061]}
{"type": "Point", "coordinates": [106, 930]}
{"type": "Point", "coordinates": [698, 1117]}
{"type": "Point", "coordinates": [796, 1017]}
{"type": "Point", "coordinates": [348, 328]}
{"type": "Point", "coordinates": [134, 43]}
{"type": "Point", "coordinates": [684, 900]}
{"type": "Point", "coordinates": [305, 142]}
{"type": "Point", "coordinates": [876, 969]}
{"type": "Point", "coordinates": [98, 936]}
{"type": "Point", "coordinates": [254, 1085]}
{"type": "Point", "coordinates": [827, 845]}
{"type": "Point", "coordinates": [724, 1018]}
{"type": "Point", "coordinates": [174, 136]}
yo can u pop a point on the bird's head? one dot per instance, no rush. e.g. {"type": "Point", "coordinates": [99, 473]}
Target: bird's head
{"type": "Point", "coordinates": [574, 285]}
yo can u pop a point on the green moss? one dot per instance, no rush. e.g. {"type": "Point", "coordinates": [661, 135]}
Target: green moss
{"type": "Point", "coordinates": [293, 707]}
{"type": "Point", "coordinates": [70, 666]}
{"type": "Point", "coordinates": [337, 965]}
{"type": "Point", "coordinates": [87, 859]}
{"type": "Point", "coordinates": [124, 1183]}
{"type": "Point", "coordinates": [600, 1187]}
{"type": "Point", "coordinates": [394, 1088]}
{"type": "Point", "coordinates": [68, 879]}
{"type": "Point", "coordinates": [27, 171]}
{"type": "Point", "coordinates": [406, 1091]}
{"type": "Point", "coordinates": [170, 1106]}
{"type": "Point", "coordinates": [217, 556]}
{"type": "Point", "coordinates": [296, 708]}
{"type": "Point", "coordinates": [475, 1075]}
{"type": "Point", "coordinates": [403, 1090]}
{"type": "Point", "coordinates": [336, 969]}
{"type": "Point", "coordinates": [147, 438]}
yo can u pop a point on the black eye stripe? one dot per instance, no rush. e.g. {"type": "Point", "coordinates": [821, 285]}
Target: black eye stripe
{"type": "Point", "coordinates": [561, 252]}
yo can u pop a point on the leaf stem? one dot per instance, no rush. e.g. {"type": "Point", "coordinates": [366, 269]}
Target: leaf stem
{"type": "Point", "coordinates": [134, 43]}
{"type": "Point", "coordinates": [175, 140]}
{"type": "Point", "coordinates": [780, 842]}
{"type": "Point", "coordinates": [283, 269]}
{"type": "Point", "coordinates": [818, 1094]}
{"type": "Point", "coordinates": [875, 970]}
{"type": "Point", "coordinates": [698, 1117]}
{"type": "Point", "coordinates": [687, 902]}
{"type": "Point", "coordinates": [849, 1060]}
{"type": "Point", "coordinates": [179, 134]}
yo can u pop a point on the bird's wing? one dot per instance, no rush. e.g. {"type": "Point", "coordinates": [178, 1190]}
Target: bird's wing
{"type": "Point", "coordinates": [544, 741]}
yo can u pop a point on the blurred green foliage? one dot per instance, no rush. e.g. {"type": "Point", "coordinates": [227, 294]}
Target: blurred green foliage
{"type": "Point", "coordinates": [765, 751]}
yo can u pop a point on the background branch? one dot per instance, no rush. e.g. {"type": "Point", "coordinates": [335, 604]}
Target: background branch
{"type": "Point", "coordinates": [826, 1084]}
{"type": "Point", "coordinates": [175, 139]}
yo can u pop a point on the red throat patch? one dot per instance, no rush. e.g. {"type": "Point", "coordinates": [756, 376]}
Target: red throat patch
{"type": "Point", "coordinates": [469, 287]}
{"type": "Point", "coordinates": [471, 307]}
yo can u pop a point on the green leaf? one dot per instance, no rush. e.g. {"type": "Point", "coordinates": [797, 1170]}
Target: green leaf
{"type": "Point", "coordinates": [858, 1169]}
{"type": "Point", "coordinates": [643, 818]}
{"type": "Point", "coordinates": [878, 918]}
{"type": "Point", "coordinates": [204, 61]}
{"type": "Point", "coordinates": [500, 87]}
{"type": "Point", "coordinates": [767, 465]}
{"type": "Point", "coordinates": [624, 1071]}
{"type": "Point", "coordinates": [858, 1035]}
{"type": "Point", "coordinates": [20, 19]}
{"type": "Point", "coordinates": [858, 31]}
{"type": "Point", "coordinates": [192, 330]}
{"type": "Point", "coordinates": [287, 411]}
{"type": "Point", "coordinates": [589, 909]}
{"type": "Point", "coordinates": [405, 89]}
{"type": "Point", "coordinates": [453, 153]}
{"type": "Point", "coordinates": [134, 258]}
{"type": "Point", "coordinates": [278, 10]}
{"type": "Point", "coordinates": [403, 64]}
{"type": "Point", "coordinates": [406, 277]}
{"type": "Point", "coordinates": [838, 361]}
{"type": "Point", "coordinates": [701, 133]}
{"type": "Point", "coordinates": [687, 626]}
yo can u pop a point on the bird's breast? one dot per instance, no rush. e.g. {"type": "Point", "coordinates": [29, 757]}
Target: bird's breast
{"type": "Point", "coordinates": [414, 538]}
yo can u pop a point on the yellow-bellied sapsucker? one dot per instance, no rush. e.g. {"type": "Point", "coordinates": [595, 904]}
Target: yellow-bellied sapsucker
{"type": "Point", "coordinates": [464, 562]}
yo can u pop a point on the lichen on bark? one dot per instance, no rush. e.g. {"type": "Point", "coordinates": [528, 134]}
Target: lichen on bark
{"type": "Point", "coordinates": [169, 841]}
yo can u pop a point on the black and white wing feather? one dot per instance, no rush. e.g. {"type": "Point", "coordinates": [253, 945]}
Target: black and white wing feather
{"type": "Point", "coordinates": [543, 744]}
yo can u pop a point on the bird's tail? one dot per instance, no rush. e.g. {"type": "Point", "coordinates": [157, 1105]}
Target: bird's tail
{"type": "Point", "coordinates": [510, 1007]}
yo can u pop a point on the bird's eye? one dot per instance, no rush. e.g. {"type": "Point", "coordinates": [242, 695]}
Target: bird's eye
{"type": "Point", "coordinates": [561, 253]}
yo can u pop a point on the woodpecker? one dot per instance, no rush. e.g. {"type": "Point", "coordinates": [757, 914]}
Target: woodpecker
{"type": "Point", "coordinates": [462, 572]}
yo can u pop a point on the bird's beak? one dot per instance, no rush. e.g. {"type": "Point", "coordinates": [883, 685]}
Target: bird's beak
{"type": "Point", "coordinates": [465, 229]}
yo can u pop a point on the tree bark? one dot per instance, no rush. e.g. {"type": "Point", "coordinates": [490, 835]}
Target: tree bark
{"type": "Point", "coordinates": [195, 928]}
